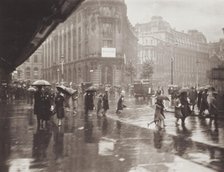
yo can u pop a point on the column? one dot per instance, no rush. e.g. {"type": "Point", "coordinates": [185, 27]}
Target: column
{"type": "Point", "coordinates": [72, 42]}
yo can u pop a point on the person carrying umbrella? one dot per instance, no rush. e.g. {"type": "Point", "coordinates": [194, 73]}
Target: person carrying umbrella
{"type": "Point", "coordinates": [59, 105]}
{"type": "Point", "coordinates": [185, 106]}
{"type": "Point", "coordinates": [41, 102]}
{"type": "Point", "coordinates": [89, 100]}
{"type": "Point", "coordinates": [120, 104]}
{"type": "Point", "coordinates": [105, 103]}
{"type": "Point", "coordinates": [159, 111]}
{"type": "Point", "coordinates": [37, 106]}
{"type": "Point", "coordinates": [99, 105]}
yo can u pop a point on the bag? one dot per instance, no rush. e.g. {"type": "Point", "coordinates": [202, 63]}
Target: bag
{"type": "Point", "coordinates": [206, 112]}
{"type": "Point", "coordinates": [52, 111]}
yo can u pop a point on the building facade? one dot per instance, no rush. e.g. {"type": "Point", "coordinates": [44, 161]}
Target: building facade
{"type": "Point", "coordinates": [31, 69]}
{"type": "Point", "coordinates": [90, 46]}
{"type": "Point", "coordinates": [179, 58]}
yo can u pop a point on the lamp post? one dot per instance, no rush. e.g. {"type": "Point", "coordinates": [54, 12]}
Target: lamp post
{"type": "Point", "coordinates": [197, 79]}
{"type": "Point", "coordinates": [91, 71]}
{"type": "Point", "coordinates": [58, 70]}
{"type": "Point", "coordinates": [62, 69]}
{"type": "Point", "coordinates": [171, 79]}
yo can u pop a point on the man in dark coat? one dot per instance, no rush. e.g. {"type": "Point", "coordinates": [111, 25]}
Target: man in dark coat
{"type": "Point", "coordinates": [204, 102]}
{"type": "Point", "coordinates": [38, 105]}
{"type": "Point", "coordinates": [59, 106]}
{"type": "Point", "coordinates": [193, 97]}
{"type": "Point", "coordinates": [42, 106]}
{"type": "Point", "coordinates": [105, 103]}
{"type": "Point", "coordinates": [89, 101]}
{"type": "Point", "coordinates": [185, 108]}
{"type": "Point", "coordinates": [120, 104]}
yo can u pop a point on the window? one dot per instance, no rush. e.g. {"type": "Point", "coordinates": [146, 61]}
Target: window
{"type": "Point", "coordinates": [27, 73]}
{"type": "Point", "coordinates": [107, 30]}
{"type": "Point", "coordinates": [35, 73]}
{"type": "Point", "coordinates": [35, 59]}
{"type": "Point", "coordinates": [107, 43]}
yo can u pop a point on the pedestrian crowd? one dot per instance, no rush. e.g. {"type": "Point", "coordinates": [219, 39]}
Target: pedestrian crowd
{"type": "Point", "coordinates": [184, 102]}
{"type": "Point", "coordinates": [48, 103]}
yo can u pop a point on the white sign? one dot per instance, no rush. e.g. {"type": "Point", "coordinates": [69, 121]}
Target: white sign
{"type": "Point", "coordinates": [108, 52]}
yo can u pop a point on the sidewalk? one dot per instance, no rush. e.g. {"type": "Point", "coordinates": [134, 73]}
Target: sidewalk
{"type": "Point", "coordinates": [200, 141]}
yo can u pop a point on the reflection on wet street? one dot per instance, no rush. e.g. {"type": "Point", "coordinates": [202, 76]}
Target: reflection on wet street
{"type": "Point", "coordinates": [93, 144]}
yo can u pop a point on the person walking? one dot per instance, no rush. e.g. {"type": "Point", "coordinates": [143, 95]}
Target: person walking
{"type": "Point", "coordinates": [159, 114]}
{"type": "Point", "coordinates": [89, 102]}
{"type": "Point", "coordinates": [99, 105]}
{"type": "Point", "coordinates": [105, 103]}
{"type": "Point", "coordinates": [46, 106]}
{"type": "Point", "coordinates": [193, 98]}
{"type": "Point", "coordinates": [178, 113]}
{"type": "Point", "coordinates": [204, 102]}
{"type": "Point", "coordinates": [37, 106]}
{"type": "Point", "coordinates": [59, 106]}
{"type": "Point", "coordinates": [120, 104]}
{"type": "Point", "coordinates": [185, 108]}
{"type": "Point", "coordinates": [213, 111]}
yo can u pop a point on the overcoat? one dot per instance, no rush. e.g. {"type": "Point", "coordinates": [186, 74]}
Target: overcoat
{"type": "Point", "coordinates": [158, 115]}
{"type": "Point", "coordinates": [59, 106]}
{"type": "Point", "coordinates": [42, 105]}
{"type": "Point", "coordinates": [105, 102]}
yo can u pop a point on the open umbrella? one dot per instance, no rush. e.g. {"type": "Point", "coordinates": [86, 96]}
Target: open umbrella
{"type": "Point", "coordinates": [183, 90]}
{"type": "Point", "coordinates": [162, 97]}
{"type": "Point", "coordinates": [70, 90]}
{"type": "Point", "coordinates": [41, 83]}
{"type": "Point", "coordinates": [31, 89]}
{"type": "Point", "coordinates": [66, 90]}
{"type": "Point", "coordinates": [92, 89]}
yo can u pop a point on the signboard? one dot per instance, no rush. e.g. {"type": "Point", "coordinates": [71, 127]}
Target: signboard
{"type": "Point", "coordinates": [108, 52]}
{"type": "Point", "coordinates": [218, 73]}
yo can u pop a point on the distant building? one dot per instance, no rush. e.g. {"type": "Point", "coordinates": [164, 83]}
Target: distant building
{"type": "Point", "coordinates": [187, 54]}
{"type": "Point", "coordinates": [91, 46]}
{"type": "Point", "coordinates": [31, 69]}
{"type": "Point", "coordinates": [217, 49]}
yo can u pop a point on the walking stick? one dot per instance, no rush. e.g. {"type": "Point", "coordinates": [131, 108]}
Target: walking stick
{"type": "Point", "coordinates": [154, 121]}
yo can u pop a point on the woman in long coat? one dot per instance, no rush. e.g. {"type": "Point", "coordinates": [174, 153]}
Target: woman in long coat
{"type": "Point", "coordinates": [178, 114]}
{"type": "Point", "coordinates": [99, 105]}
{"type": "Point", "coordinates": [59, 106]}
{"type": "Point", "coordinates": [105, 103]}
{"type": "Point", "coordinates": [159, 114]}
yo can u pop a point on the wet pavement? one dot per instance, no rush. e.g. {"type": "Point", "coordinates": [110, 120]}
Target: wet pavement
{"type": "Point", "coordinates": [114, 143]}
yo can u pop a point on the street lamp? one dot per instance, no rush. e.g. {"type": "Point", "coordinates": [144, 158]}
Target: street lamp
{"type": "Point", "coordinates": [62, 69]}
{"type": "Point", "coordinates": [197, 79]}
{"type": "Point", "coordinates": [171, 79]}
{"type": "Point", "coordinates": [91, 71]}
{"type": "Point", "coordinates": [58, 70]}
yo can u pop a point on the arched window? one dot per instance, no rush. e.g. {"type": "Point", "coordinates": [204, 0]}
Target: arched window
{"type": "Point", "coordinates": [27, 73]}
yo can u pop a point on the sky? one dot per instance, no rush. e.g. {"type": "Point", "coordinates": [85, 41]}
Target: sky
{"type": "Point", "coordinates": [207, 16]}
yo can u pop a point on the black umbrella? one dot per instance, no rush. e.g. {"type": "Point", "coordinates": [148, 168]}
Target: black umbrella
{"type": "Point", "coordinates": [92, 89]}
{"type": "Point", "coordinates": [162, 97]}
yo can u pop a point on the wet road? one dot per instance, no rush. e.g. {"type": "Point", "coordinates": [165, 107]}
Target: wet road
{"type": "Point", "coordinates": [107, 144]}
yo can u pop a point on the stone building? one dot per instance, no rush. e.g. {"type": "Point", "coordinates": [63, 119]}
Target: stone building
{"type": "Point", "coordinates": [179, 58]}
{"type": "Point", "coordinates": [91, 45]}
{"type": "Point", "coordinates": [31, 69]}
